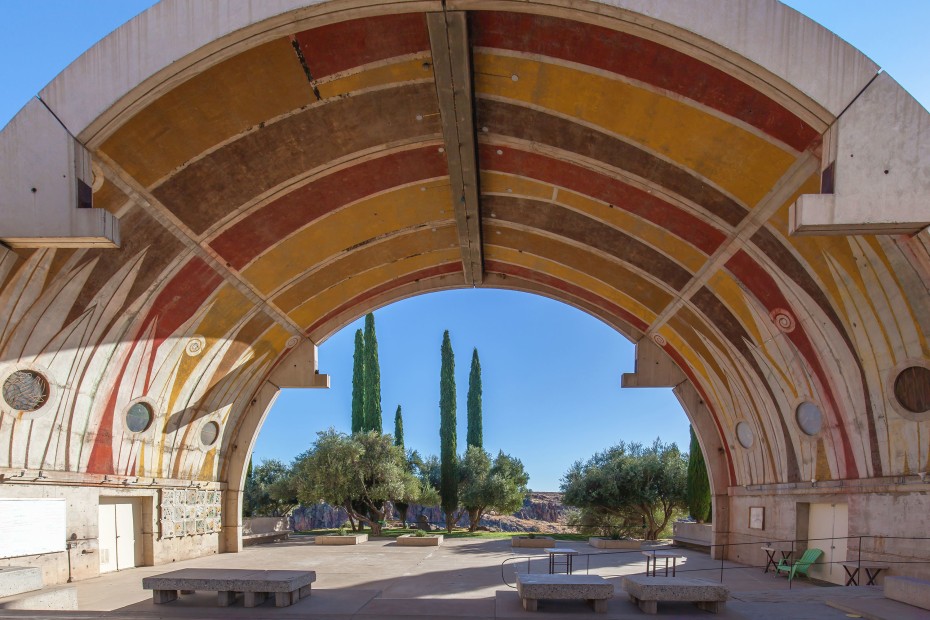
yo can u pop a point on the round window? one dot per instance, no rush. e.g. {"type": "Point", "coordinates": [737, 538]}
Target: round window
{"type": "Point", "coordinates": [911, 388]}
{"type": "Point", "coordinates": [25, 390]}
{"type": "Point", "coordinates": [744, 435]}
{"type": "Point", "coordinates": [809, 418]}
{"type": "Point", "coordinates": [209, 432]}
{"type": "Point", "coordinates": [139, 417]}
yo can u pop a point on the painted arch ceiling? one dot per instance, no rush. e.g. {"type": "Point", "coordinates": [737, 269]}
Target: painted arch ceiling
{"type": "Point", "coordinates": [296, 181]}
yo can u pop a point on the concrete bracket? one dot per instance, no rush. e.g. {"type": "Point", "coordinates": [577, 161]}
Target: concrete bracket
{"type": "Point", "coordinates": [654, 368]}
{"type": "Point", "coordinates": [46, 186]}
{"type": "Point", "coordinates": [300, 369]}
{"type": "Point", "coordinates": [876, 163]}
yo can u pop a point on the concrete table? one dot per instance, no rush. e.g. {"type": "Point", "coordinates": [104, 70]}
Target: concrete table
{"type": "Point", "coordinates": [591, 588]}
{"type": "Point", "coordinates": [871, 572]}
{"type": "Point", "coordinates": [554, 552]}
{"type": "Point", "coordinates": [655, 555]}
{"type": "Point", "coordinates": [288, 586]}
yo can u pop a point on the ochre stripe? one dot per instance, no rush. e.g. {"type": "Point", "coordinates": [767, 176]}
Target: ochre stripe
{"type": "Point", "coordinates": [449, 268]}
{"type": "Point", "coordinates": [385, 252]}
{"type": "Point", "coordinates": [358, 284]}
{"type": "Point", "coordinates": [221, 102]}
{"type": "Point", "coordinates": [614, 192]}
{"type": "Point", "coordinates": [393, 73]}
{"type": "Point", "coordinates": [348, 228]}
{"type": "Point", "coordinates": [243, 241]}
{"type": "Point", "coordinates": [736, 160]}
{"type": "Point", "coordinates": [641, 60]}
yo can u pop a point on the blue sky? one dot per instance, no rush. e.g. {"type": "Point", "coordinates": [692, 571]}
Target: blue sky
{"type": "Point", "coordinates": [551, 373]}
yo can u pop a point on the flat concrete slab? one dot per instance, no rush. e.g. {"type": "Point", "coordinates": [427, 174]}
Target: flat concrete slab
{"type": "Point", "coordinates": [18, 579]}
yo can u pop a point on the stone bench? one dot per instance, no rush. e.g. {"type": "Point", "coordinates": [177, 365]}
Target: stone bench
{"type": "Point", "coordinates": [591, 588]}
{"type": "Point", "coordinates": [908, 590]}
{"type": "Point", "coordinates": [648, 591]}
{"type": "Point", "coordinates": [264, 537]}
{"type": "Point", "coordinates": [288, 586]}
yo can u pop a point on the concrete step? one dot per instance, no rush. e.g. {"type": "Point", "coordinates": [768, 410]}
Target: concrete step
{"type": "Point", "coordinates": [60, 598]}
{"type": "Point", "coordinates": [18, 579]}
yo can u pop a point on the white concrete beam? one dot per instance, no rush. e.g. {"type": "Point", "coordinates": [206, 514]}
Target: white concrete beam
{"type": "Point", "coordinates": [654, 368]}
{"type": "Point", "coordinates": [45, 186]}
{"type": "Point", "coordinates": [876, 168]}
{"type": "Point", "coordinates": [448, 36]}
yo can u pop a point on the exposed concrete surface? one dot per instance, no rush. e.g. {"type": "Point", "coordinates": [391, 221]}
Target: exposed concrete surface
{"type": "Point", "coordinates": [460, 579]}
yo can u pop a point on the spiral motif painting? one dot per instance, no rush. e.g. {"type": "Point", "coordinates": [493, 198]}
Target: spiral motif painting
{"type": "Point", "coordinates": [783, 320]}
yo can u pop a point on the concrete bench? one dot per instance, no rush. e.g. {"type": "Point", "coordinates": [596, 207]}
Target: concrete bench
{"type": "Point", "coordinates": [908, 590]}
{"type": "Point", "coordinates": [648, 591]}
{"type": "Point", "coordinates": [264, 537]}
{"type": "Point", "coordinates": [288, 586]}
{"type": "Point", "coordinates": [591, 588]}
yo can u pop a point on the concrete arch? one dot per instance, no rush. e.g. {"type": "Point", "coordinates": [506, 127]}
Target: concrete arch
{"type": "Point", "coordinates": [741, 193]}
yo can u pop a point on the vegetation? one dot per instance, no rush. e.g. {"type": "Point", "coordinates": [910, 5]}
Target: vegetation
{"type": "Point", "coordinates": [400, 505]}
{"type": "Point", "coordinates": [372, 373]}
{"type": "Point", "coordinates": [448, 486]}
{"type": "Point", "coordinates": [475, 435]}
{"type": "Point", "coordinates": [360, 472]}
{"type": "Point", "coordinates": [268, 490]}
{"type": "Point", "coordinates": [358, 384]}
{"type": "Point", "coordinates": [698, 494]}
{"type": "Point", "coordinates": [484, 486]}
{"type": "Point", "coordinates": [626, 484]}
{"type": "Point", "coordinates": [399, 428]}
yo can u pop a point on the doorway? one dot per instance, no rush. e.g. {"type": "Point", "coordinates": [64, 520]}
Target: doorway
{"type": "Point", "coordinates": [827, 530]}
{"type": "Point", "coordinates": [120, 533]}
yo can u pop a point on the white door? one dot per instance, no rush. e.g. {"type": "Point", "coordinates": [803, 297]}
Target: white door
{"type": "Point", "coordinates": [119, 536]}
{"type": "Point", "coordinates": [106, 536]}
{"type": "Point", "coordinates": [830, 524]}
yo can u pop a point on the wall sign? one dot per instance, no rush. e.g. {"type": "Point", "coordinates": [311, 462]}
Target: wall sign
{"type": "Point", "coordinates": [31, 526]}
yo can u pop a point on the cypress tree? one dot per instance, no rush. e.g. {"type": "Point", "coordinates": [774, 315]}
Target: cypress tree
{"type": "Point", "coordinates": [358, 384]}
{"type": "Point", "coordinates": [399, 428]}
{"type": "Point", "coordinates": [475, 430]}
{"type": "Point", "coordinates": [448, 466]}
{"type": "Point", "coordinates": [699, 503]}
{"type": "Point", "coordinates": [372, 377]}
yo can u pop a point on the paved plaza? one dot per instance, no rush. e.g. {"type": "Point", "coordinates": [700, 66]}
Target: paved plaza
{"type": "Point", "coordinates": [461, 579]}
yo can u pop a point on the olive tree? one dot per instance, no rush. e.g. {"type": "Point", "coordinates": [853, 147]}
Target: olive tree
{"type": "Point", "coordinates": [485, 485]}
{"type": "Point", "coordinates": [361, 473]}
{"type": "Point", "coordinates": [629, 482]}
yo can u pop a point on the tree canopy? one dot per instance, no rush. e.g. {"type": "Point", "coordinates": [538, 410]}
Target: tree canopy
{"type": "Point", "coordinates": [360, 472]}
{"type": "Point", "coordinates": [485, 485]}
{"type": "Point", "coordinates": [372, 374]}
{"type": "Point", "coordinates": [627, 483]}
{"type": "Point", "coordinates": [699, 504]}
{"type": "Point", "coordinates": [448, 487]}
{"type": "Point", "coordinates": [267, 490]}
{"type": "Point", "coordinates": [358, 383]}
{"type": "Point", "coordinates": [475, 435]}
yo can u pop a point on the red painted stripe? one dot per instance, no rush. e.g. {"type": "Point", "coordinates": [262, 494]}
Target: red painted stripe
{"type": "Point", "coordinates": [561, 285]}
{"type": "Point", "coordinates": [344, 45]}
{"type": "Point", "coordinates": [423, 274]}
{"type": "Point", "coordinates": [644, 61]}
{"type": "Point", "coordinates": [766, 290]}
{"type": "Point", "coordinates": [680, 223]}
{"type": "Point", "coordinates": [181, 297]}
{"type": "Point", "coordinates": [249, 237]}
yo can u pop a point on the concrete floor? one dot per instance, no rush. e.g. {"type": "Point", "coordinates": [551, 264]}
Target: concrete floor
{"type": "Point", "coordinates": [462, 579]}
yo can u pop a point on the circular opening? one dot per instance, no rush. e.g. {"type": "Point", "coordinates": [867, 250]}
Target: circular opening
{"type": "Point", "coordinates": [209, 433]}
{"type": "Point", "coordinates": [25, 390]}
{"type": "Point", "coordinates": [912, 389]}
{"type": "Point", "coordinates": [139, 417]}
{"type": "Point", "coordinates": [809, 418]}
{"type": "Point", "coordinates": [744, 435]}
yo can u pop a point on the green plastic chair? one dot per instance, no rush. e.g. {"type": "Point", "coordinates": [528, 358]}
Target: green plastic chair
{"type": "Point", "coordinates": [801, 566]}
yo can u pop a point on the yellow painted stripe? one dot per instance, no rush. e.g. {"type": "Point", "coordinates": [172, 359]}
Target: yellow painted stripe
{"type": "Point", "coordinates": [738, 161]}
{"type": "Point", "coordinates": [354, 285]}
{"type": "Point", "coordinates": [579, 279]}
{"type": "Point", "coordinates": [344, 229]}
{"type": "Point", "coordinates": [394, 73]}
